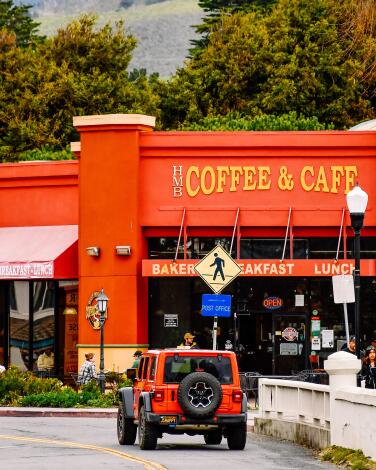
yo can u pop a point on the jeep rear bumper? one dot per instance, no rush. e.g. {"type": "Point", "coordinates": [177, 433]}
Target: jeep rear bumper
{"type": "Point", "coordinates": [216, 420]}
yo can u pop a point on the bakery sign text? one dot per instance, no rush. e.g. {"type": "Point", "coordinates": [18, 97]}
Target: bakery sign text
{"type": "Point", "coordinates": [208, 180]}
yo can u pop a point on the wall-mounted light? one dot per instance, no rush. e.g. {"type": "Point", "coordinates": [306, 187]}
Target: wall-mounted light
{"type": "Point", "coordinates": [93, 250]}
{"type": "Point", "coordinates": [123, 250]}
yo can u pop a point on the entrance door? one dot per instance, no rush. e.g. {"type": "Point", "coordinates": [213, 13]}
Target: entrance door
{"type": "Point", "coordinates": [289, 343]}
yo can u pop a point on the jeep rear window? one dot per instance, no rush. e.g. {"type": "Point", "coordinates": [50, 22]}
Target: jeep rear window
{"type": "Point", "coordinates": [178, 367]}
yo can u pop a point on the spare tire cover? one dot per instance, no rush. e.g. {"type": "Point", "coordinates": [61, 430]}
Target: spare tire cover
{"type": "Point", "coordinates": [199, 394]}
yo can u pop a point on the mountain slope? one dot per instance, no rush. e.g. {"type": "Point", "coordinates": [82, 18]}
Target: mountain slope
{"type": "Point", "coordinates": [163, 31]}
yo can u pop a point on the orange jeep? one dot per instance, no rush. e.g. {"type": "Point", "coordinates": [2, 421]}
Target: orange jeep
{"type": "Point", "coordinates": [179, 391]}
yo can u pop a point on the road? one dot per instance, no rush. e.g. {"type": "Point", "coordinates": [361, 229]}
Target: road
{"type": "Point", "coordinates": [89, 443]}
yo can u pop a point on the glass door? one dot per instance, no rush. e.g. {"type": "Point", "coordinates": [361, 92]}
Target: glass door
{"type": "Point", "coordinates": [289, 343]}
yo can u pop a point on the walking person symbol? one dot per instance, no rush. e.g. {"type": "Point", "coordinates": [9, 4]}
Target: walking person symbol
{"type": "Point", "coordinates": [218, 263]}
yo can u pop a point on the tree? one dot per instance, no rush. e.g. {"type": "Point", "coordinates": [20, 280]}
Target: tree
{"type": "Point", "coordinates": [293, 58]}
{"type": "Point", "coordinates": [80, 71]}
{"type": "Point", "coordinates": [17, 19]}
{"type": "Point", "coordinates": [214, 9]}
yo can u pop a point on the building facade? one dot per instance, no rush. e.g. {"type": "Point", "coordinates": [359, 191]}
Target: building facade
{"type": "Point", "coordinates": [140, 208]}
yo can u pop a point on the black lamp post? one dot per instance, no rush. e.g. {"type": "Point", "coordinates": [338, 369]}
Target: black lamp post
{"type": "Point", "coordinates": [357, 203]}
{"type": "Point", "coordinates": [102, 301]}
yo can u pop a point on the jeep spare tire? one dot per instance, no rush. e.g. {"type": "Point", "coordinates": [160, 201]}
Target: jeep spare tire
{"type": "Point", "coordinates": [199, 394]}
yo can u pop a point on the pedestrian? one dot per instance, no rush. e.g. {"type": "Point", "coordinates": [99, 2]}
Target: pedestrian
{"type": "Point", "coordinates": [45, 363]}
{"type": "Point", "coordinates": [188, 342]}
{"type": "Point", "coordinates": [137, 357]}
{"type": "Point", "coordinates": [369, 367]}
{"type": "Point", "coordinates": [87, 371]}
{"type": "Point", "coordinates": [351, 347]}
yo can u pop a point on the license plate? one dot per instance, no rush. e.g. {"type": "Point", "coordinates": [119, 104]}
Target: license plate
{"type": "Point", "coordinates": [168, 419]}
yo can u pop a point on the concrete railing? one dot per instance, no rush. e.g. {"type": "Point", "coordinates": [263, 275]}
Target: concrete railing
{"type": "Point", "coordinates": [339, 414]}
{"type": "Point", "coordinates": [293, 400]}
{"type": "Point", "coordinates": [354, 418]}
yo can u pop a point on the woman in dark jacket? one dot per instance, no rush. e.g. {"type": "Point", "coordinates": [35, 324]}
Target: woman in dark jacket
{"type": "Point", "coordinates": [369, 367]}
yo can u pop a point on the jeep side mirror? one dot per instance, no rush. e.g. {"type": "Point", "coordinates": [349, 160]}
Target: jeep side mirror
{"type": "Point", "coordinates": [132, 373]}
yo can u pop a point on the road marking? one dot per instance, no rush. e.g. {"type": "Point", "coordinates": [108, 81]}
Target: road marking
{"type": "Point", "coordinates": [148, 464]}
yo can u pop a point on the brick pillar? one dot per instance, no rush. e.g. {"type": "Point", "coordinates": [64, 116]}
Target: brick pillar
{"type": "Point", "coordinates": [109, 187]}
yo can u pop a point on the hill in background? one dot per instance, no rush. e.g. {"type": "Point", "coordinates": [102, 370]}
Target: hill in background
{"type": "Point", "coordinates": [163, 28]}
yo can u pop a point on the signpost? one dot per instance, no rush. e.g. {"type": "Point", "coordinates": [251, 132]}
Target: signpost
{"type": "Point", "coordinates": [344, 293]}
{"type": "Point", "coordinates": [216, 305]}
{"type": "Point", "coordinates": [217, 269]}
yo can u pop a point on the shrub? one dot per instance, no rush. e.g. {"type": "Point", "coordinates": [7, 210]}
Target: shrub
{"type": "Point", "coordinates": [263, 122]}
{"type": "Point", "coordinates": [15, 384]}
{"type": "Point", "coordinates": [19, 388]}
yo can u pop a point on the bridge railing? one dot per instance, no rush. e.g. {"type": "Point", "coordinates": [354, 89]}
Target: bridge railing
{"type": "Point", "coordinates": [295, 400]}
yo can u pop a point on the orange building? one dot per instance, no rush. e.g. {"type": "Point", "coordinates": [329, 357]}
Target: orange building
{"type": "Point", "coordinates": [148, 205]}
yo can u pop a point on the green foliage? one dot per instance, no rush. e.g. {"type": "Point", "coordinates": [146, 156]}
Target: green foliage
{"type": "Point", "coordinates": [80, 71]}
{"type": "Point", "coordinates": [19, 388]}
{"type": "Point", "coordinates": [293, 58]}
{"type": "Point", "coordinates": [347, 458]}
{"type": "Point", "coordinates": [214, 9]}
{"type": "Point", "coordinates": [15, 384]}
{"type": "Point", "coordinates": [17, 20]}
{"type": "Point", "coordinates": [263, 122]}
{"type": "Point", "coordinates": [46, 153]}
{"type": "Point", "coordinates": [67, 398]}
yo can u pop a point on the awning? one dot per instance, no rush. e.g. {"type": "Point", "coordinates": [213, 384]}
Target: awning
{"type": "Point", "coordinates": [48, 252]}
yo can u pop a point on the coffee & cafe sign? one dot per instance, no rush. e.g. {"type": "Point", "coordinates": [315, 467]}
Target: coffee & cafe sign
{"type": "Point", "coordinates": [208, 180]}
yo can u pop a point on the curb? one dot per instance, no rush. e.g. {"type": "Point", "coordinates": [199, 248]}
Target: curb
{"type": "Point", "coordinates": [69, 413]}
{"type": "Point", "coordinates": [59, 412]}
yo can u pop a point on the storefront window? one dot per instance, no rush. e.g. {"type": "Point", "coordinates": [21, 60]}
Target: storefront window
{"type": "Point", "coordinates": [367, 247]}
{"type": "Point", "coordinates": [269, 248]}
{"type": "Point", "coordinates": [200, 247]}
{"type": "Point", "coordinates": [4, 309]}
{"type": "Point", "coordinates": [19, 324]}
{"type": "Point", "coordinates": [182, 298]}
{"type": "Point", "coordinates": [165, 248]}
{"type": "Point", "coordinates": [43, 327]}
{"type": "Point", "coordinates": [325, 248]}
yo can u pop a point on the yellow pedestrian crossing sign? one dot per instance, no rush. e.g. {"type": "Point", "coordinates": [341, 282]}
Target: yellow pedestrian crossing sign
{"type": "Point", "coordinates": [217, 269]}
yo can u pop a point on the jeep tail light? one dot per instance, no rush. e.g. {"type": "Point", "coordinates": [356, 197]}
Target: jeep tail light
{"type": "Point", "coordinates": [159, 395]}
{"type": "Point", "coordinates": [237, 396]}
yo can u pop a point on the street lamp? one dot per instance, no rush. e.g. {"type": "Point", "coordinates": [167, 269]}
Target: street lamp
{"type": "Point", "coordinates": [102, 301]}
{"type": "Point", "coordinates": [357, 203]}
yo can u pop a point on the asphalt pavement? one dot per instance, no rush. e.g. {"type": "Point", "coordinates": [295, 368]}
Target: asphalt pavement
{"type": "Point", "coordinates": [45, 443]}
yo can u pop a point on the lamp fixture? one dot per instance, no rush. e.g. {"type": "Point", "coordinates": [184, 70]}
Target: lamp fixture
{"type": "Point", "coordinates": [102, 301]}
{"type": "Point", "coordinates": [357, 200]}
{"type": "Point", "coordinates": [123, 250]}
{"type": "Point", "coordinates": [93, 250]}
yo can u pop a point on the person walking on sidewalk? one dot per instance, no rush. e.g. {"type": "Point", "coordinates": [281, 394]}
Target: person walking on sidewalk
{"type": "Point", "coordinates": [87, 371]}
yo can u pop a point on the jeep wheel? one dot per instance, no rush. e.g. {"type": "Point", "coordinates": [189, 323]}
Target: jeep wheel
{"type": "Point", "coordinates": [147, 433]}
{"type": "Point", "coordinates": [126, 429]}
{"type": "Point", "coordinates": [213, 438]}
{"type": "Point", "coordinates": [199, 394]}
{"type": "Point", "coordinates": [237, 436]}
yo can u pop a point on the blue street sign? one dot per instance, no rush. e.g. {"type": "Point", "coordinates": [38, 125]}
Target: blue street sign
{"type": "Point", "coordinates": [216, 305]}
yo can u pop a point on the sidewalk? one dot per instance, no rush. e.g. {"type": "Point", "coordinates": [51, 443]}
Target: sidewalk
{"type": "Point", "coordinates": [84, 413]}
{"type": "Point", "coordinates": [61, 412]}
